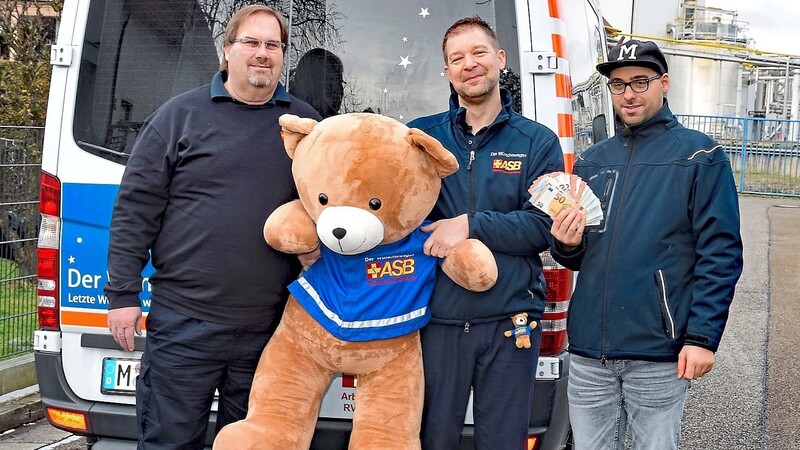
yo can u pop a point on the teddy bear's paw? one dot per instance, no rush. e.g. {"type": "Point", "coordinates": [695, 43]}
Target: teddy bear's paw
{"type": "Point", "coordinates": [472, 266]}
{"type": "Point", "coordinates": [291, 230]}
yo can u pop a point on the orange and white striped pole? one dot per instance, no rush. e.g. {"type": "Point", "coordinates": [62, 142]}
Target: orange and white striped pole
{"type": "Point", "coordinates": [563, 84]}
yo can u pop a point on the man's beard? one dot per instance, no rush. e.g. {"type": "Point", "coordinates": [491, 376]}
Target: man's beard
{"type": "Point", "coordinates": [259, 80]}
{"type": "Point", "coordinates": [476, 94]}
{"type": "Point", "coordinates": [261, 77]}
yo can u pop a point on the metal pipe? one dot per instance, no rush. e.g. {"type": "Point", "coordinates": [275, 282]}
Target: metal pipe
{"type": "Point", "coordinates": [786, 91]}
{"type": "Point", "coordinates": [613, 32]}
{"type": "Point", "coordinates": [719, 89]}
{"type": "Point", "coordinates": [767, 98]}
{"type": "Point", "coordinates": [739, 82]}
{"type": "Point", "coordinates": [793, 133]}
{"type": "Point", "coordinates": [732, 58]}
{"type": "Point", "coordinates": [796, 95]}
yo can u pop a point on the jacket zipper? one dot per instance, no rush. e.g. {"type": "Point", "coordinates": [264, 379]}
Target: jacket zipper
{"type": "Point", "coordinates": [471, 213]}
{"type": "Point", "coordinates": [667, 321]}
{"type": "Point", "coordinates": [471, 179]}
{"type": "Point", "coordinates": [603, 341]}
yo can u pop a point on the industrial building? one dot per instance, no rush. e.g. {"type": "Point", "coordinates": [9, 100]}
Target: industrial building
{"type": "Point", "coordinates": [715, 68]}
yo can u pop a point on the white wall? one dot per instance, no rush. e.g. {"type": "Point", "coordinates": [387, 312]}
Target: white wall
{"type": "Point", "coordinates": [702, 86]}
{"type": "Point", "coordinates": [642, 17]}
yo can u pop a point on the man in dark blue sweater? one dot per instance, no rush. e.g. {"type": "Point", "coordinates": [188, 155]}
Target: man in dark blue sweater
{"type": "Point", "coordinates": [207, 169]}
{"type": "Point", "coordinates": [500, 153]}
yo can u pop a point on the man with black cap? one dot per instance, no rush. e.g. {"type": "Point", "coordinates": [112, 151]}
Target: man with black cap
{"type": "Point", "coordinates": [657, 276]}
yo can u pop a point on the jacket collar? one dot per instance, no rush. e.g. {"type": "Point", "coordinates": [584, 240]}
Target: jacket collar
{"type": "Point", "coordinates": [650, 127]}
{"type": "Point", "coordinates": [459, 113]}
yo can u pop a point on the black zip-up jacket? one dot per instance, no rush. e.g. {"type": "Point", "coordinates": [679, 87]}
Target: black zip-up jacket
{"type": "Point", "coordinates": [660, 271]}
{"type": "Point", "coordinates": [203, 176]}
{"type": "Point", "coordinates": [497, 166]}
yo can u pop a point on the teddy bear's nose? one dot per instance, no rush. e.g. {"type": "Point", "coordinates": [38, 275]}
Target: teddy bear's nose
{"type": "Point", "coordinates": [339, 233]}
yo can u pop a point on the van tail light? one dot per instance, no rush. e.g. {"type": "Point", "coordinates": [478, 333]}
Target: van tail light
{"type": "Point", "coordinates": [533, 442]}
{"type": "Point", "coordinates": [65, 419]}
{"type": "Point", "coordinates": [554, 319]}
{"type": "Point", "coordinates": [48, 252]}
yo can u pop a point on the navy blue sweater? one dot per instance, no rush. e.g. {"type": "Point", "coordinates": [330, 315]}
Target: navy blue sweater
{"type": "Point", "coordinates": [497, 166]}
{"type": "Point", "coordinates": [202, 178]}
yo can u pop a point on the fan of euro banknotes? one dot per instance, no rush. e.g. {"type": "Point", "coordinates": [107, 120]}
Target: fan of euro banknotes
{"type": "Point", "coordinates": [558, 190]}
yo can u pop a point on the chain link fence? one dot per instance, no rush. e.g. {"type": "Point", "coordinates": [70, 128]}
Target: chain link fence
{"type": "Point", "coordinates": [20, 168]}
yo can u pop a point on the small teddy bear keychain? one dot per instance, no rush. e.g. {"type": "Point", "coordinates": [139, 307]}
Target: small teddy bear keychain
{"type": "Point", "coordinates": [522, 330]}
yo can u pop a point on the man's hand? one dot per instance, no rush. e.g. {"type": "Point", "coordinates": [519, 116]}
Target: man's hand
{"type": "Point", "coordinates": [123, 322]}
{"type": "Point", "coordinates": [568, 228]}
{"type": "Point", "coordinates": [446, 234]}
{"type": "Point", "coordinates": [694, 362]}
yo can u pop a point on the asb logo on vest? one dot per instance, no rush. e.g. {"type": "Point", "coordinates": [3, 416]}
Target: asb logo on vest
{"type": "Point", "coordinates": [395, 267]}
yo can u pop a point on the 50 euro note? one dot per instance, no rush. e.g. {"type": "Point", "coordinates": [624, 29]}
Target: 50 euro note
{"type": "Point", "coordinates": [555, 191]}
{"type": "Point", "coordinates": [552, 199]}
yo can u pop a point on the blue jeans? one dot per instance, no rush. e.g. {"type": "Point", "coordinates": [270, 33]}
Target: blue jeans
{"type": "Point", "coordinates": [607, 400]}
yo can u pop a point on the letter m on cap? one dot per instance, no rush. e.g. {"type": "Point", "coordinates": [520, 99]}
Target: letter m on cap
{"type": "Point", "coordinates": [629, 50]}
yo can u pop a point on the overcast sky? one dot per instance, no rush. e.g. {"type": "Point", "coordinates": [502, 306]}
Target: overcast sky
{"type": "Point", "coordinates": [774, 24]}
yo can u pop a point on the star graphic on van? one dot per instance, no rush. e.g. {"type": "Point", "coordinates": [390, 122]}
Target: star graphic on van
{"type": "Point", "coordinates": [71, 259]}
{"type": "Point", "coordinates": [424, 12]}
{"type": "Point", "coordinates": [405, 62]}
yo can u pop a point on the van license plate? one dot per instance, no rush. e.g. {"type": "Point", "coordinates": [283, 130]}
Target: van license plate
{"type": "Point", "coordinates": [119, 376]}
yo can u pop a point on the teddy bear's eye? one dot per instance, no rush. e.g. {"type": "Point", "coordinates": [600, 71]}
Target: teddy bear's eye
{"type": "Point", "coordinates": [375, 204]}
{"type": "Point", "coordinates": [323, 199]}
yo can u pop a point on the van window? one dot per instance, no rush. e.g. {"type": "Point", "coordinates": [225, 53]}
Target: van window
{"type": "Point", "coordinates": [390, 64]}
{"type": "Point", "coordinates": [138, 53]}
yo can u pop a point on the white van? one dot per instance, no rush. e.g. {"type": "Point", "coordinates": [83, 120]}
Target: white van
{"type": "Point", "coordinates": [115, 61]}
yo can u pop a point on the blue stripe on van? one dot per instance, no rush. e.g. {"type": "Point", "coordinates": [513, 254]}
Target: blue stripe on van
{"type": "Point", "coordinates": [86, 215]}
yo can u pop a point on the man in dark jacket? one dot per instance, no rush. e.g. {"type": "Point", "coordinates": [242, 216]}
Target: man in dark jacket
{"type": "Point", "coordinates": [207, 169]}
{"type": "Point", "coordinates": [657, 276]}
{"type": "Point", "coordinates": [500, 153]}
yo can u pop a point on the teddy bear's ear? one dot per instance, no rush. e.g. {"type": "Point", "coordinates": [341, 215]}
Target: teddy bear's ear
{"type": "Point", "coordinates": [444, 161]}
{"type": "Point", "coordinates": [293, 130]}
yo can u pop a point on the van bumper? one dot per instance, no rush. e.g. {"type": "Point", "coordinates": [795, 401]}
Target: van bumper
{"type": "Point", "coordinates": [110, 426]}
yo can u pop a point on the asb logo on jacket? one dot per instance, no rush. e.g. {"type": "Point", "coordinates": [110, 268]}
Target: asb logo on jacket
{"type": "Point", "coordinates": [501, 165]}
{"type": "Point", "coordinates": [510, 163]}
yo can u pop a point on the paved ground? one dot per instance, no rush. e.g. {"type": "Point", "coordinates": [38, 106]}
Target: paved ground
{"type": "Point", "coordinates": [752, 398]}
{"type": "Point", "coordinates": [783, 355]}
{"type": "Point", "coordinates": [40, 435]}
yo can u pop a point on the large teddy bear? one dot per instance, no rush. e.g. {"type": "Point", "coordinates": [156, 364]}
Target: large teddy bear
{"type": "Point", "coordinates": [366, 183]}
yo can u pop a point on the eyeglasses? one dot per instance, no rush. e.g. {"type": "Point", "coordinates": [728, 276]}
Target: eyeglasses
{"type": "Point", "coordinates": [255, 44]}
{"type": "Point", "coordinates": [638, 86]}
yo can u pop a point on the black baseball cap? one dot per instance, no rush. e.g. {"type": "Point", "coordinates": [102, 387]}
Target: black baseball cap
{"type": "Point", "coordinates": [634, 53]}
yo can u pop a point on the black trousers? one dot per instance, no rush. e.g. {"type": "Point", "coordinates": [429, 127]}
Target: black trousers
{"type": "Point", "coordinates": [185, 361]}
{"type": "Point", "coordinates": [500, 374]}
